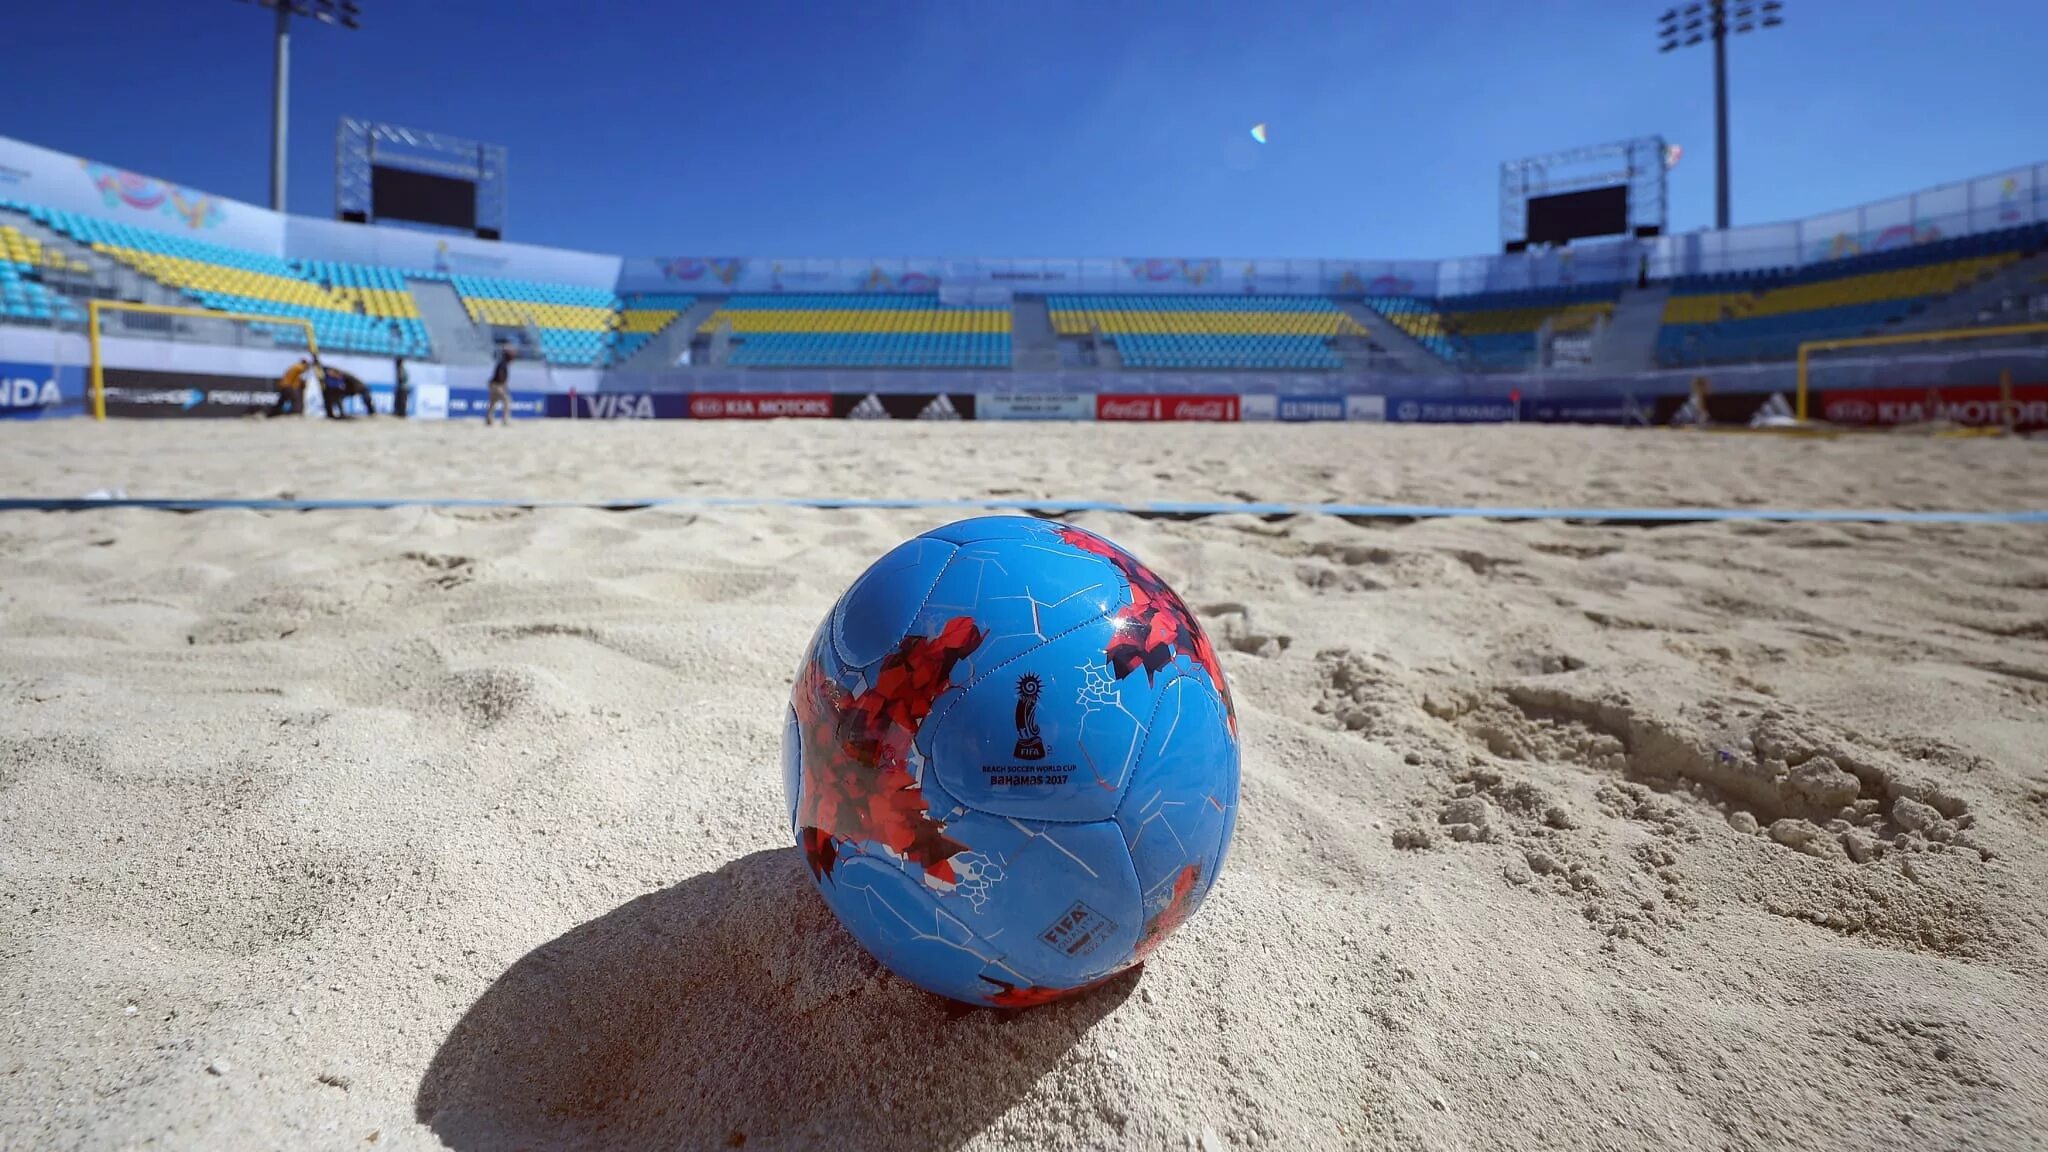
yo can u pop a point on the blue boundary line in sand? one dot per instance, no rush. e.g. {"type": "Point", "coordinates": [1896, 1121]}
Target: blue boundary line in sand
{"type": "Point", "coordinates": [1153, 508]}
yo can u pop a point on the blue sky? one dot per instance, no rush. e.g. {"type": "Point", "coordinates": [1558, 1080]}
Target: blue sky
{"type": "Point", "coordinates": [1039, 127]}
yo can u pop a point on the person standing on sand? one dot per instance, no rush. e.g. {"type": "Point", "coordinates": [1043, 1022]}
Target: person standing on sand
{"type": "Point", "coordinates": [501, 386]}
{"type": "Point", "coordinates": [401, 388]}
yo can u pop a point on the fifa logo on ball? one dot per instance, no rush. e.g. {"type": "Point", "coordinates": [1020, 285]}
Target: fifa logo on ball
{"type": "Point", "coordinates": [1029, 744]}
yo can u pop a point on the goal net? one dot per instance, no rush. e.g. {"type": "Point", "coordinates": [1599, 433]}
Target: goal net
{"type": "Point", "coordinates": [159, 360]}
{"type": "Point", "coordinates": [1986, 377]}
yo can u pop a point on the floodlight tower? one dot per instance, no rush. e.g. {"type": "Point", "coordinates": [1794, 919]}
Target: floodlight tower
{"type": "Point", "coordinates": [341, 14]}
{"type": "Point", "coordinates": [1717, 19]}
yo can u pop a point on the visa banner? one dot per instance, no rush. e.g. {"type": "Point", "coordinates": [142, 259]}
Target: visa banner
{"type": "Point", "coordinates": [619, 406]}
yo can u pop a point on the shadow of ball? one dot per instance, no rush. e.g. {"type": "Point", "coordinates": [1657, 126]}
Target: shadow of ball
{"type": "Point", "coordinates": [729, 1010]}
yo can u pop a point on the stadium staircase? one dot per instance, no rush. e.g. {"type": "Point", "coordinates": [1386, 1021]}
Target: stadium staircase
{"type": "Point", "coordinates": [457, 339]}
{"type": "Point", "coordinates": [1034, 347]}
{"type": "Point", "coordinates": [1405, 349]}
{"type": "Point", "coordinates": [1629, 341]}
{"type": "Point", "coordinates": [660, 353]}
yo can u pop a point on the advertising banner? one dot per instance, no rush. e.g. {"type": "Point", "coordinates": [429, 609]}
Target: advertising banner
{"type": "Point", "coordinates": [1034, 406]}
{"type": "Point", "coordinates": [1977, 407]}
{"type": "Point", "coordinates": [903, 406]}
{"type": "Point", "coordinates": [1423, 410]}
{"type": "Point", "coordinates": [468, 403]}
{"type": "Point", "coordinates": [134, 392]}
{"type": "Point", "coordinates": [618, 406]}
{"type": "Point", "coordinates": [1298, 409]}
{"type": "Point", "coordinates": [1608, 409]}
{"type": "Point", "coordinates": [760, 405]}
{"type": "Point", "coordinates": [429, 402]}
{"type": "Point", "coordinates": [36, 392]}
{"type": "Point", "coordinates": [1259, 406]}
{"type": "Point", "coordinates": [1112, 406]}
{"type": "Point", "coordinates": [1368, 408]}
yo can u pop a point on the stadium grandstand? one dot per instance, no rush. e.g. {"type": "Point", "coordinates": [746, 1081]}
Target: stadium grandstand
{"type": "Point", "coordinates": [1634, 318]}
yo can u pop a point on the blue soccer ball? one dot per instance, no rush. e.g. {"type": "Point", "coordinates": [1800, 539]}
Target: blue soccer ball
{"type": "Point", "coordinates": [1011, 761]}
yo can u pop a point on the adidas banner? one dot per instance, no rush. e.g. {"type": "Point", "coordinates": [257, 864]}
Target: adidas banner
{"type": "Point", "coordinates": [903, 405]}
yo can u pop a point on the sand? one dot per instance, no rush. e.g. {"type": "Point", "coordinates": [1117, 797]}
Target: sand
{"type": "Point", "coordinates": [414, 829]}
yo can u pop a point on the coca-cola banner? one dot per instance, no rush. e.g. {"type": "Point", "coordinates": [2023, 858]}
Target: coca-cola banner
{"type": "Point", "coordinates": [760, 405]}
{"type": "Point", "coordinates": [1111, 406]}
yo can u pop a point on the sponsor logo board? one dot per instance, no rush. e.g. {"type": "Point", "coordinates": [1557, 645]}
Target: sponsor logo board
{"type": "Point", "coordinates": [1368, 408]}
{"type": "Point", "coordinates": [465, 403]}
{"type": "Point", "coordinates": [1608, 409]}
{"type": "Point", "coordinates": [760, 405]}
{"type": "Point", "coordinates": [148, 394]}
{"type": "Point", "coordinates": [904, 405]}
{"type": "Point", "coordinates": [1111, 406]}
{"type": "Point", "coordinates": [619, 406]}
{"type": "Point", "coordinates": [34, 392]}
{"type": "Point", "coordinates": [1034, 406]}
{"type": "Point", "coordinates": [1975, 406]}
{"type": "Point", "coordinates": [1433, 411]}
{"type": "Point", "coordinates": [1299, 409]}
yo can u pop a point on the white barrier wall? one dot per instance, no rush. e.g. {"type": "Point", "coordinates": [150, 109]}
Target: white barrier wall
{"type": "Point", "coordinates": [2002, 200]}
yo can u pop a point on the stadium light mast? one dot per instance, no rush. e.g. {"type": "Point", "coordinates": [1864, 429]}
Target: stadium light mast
{"type": "Point", "coordinates": [341, 14]}
{"type": "Point", "coordinates": [1717, 19]}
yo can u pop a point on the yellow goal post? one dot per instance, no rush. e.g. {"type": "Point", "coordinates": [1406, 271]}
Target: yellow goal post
{"type": "Point", "coordinates": [1934, 337]}
{"type": "Point", "coordinates": [97, 310]}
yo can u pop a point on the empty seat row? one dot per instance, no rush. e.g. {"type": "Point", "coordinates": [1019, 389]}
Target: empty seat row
{"type": "Point", "coordinates": [1146, 350]}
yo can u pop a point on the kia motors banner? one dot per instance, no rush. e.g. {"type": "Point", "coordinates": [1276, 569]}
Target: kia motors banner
{"type": "Point", "coordinates": [1111, 406]}
{"type": "Point", "coordinates": [1422, 410]}
{"type": "Point", "coordinates": [468, 403]}
{"type": "Point", "coordinates": [619, 406]}
{"type": "Point", "coordinates": [136, 392]}
{"type": "Point", "coordinates": [1034, 406]}
{"type": "Point", "coordinates": [903, 405]}
{"type": "Point", "coordinates": [1977, 407]}
{"type": "Point", "coordinates": [760, 405]}
{"type": "Point", "coordinates": [35, 392]}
